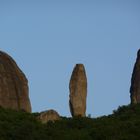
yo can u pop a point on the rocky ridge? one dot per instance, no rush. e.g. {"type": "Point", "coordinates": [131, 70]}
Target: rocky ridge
{"type": "Point", "coordinates": [14, 90]}
{"type": "Point", "coordinates": [49, 115]}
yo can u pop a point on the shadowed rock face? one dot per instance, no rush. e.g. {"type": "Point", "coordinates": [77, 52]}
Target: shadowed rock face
{"type": "Point", "coordinates": [13, 85]}
{"type": "Point", "coordinates": [49, 115]}
{"type": "Point", "coordinates": [78, 91]}
{"type": "Point", "coordinates": [135, 82]}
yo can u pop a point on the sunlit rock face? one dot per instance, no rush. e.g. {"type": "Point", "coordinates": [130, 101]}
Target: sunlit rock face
{"type": "Point", "coordinates": [78, 91]}
{"type": "Point", "coordinates": [135, 82]}
{"type": "Point", "coordinates": [13, 85]}
{"type": "Point", "coordinates": [49, 115]}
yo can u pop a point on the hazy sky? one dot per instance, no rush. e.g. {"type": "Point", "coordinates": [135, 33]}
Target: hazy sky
{"type": "Point", "coordinates": [47, 38]}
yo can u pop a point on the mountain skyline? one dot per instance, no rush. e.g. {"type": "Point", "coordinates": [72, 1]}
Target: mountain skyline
{"type": "Point", "coordinates": [48, 38]}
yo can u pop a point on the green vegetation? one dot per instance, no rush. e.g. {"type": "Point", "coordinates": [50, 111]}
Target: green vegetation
{"type": "Point", "coordinates": [123, 124]}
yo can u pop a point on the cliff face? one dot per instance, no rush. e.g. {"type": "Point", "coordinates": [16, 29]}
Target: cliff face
{"type": "Point", "coordinates": [13, 85]}
{"type": "Point", "coordinates": [78, 91]}
{"type": "Point", "coordinates": [135, 82]}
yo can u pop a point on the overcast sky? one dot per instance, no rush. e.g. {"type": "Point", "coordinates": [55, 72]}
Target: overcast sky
{"type": "Point", "coordinates": [47, 38]}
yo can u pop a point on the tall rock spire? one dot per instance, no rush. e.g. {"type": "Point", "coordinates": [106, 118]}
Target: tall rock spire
{"type": "Point", "coordinates": [135, 82]}
{"type": "Point", "coordinates": [78, 91]}
{"type": "Point", "coordinates": [13, 85]}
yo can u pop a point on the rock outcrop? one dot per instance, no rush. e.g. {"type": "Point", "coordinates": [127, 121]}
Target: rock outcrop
{"type": "Point", "coordinates": [78, 91]}
{"type": "Point", "coordinates": [135, 82]}
{"type": "Point", "coordinates": [49, 115]}
{"type": "Point", "coordinates": [13, 85]}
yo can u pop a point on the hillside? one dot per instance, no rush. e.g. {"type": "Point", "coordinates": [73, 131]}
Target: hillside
{"type": "Point", "coordinates": [123, 124]}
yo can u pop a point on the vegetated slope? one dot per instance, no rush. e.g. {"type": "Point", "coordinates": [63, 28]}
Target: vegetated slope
{"type": "Point", "coordinates": [123, 124]}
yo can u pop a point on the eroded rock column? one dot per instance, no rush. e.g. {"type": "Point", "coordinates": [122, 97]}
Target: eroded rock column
{"type": "Point", "coordinates": [78, 91]}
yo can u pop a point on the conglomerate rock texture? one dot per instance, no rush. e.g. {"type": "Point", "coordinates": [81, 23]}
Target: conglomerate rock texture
{"type": "Point", "coordinates": [49, 115]}
{"type": "Point", "coordinates": [78, 91]}
{"type": "Point", "coordinates": [13, 85]}
{"type": "Point", "coordinates": [135, 82]}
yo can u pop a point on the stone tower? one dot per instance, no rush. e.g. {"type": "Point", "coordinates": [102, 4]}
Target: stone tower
{"type": "Point", "coordinates": [78, 91]}
{"type": "Point", "coordinates": [135, 82]}
{"type": "Point", "coordinates": [13, 85]}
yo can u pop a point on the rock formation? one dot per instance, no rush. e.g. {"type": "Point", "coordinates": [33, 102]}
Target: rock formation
{"type": "Point", "coordinates": [135, 82]}
{"type": "Point", "coordinates": [78, 91]}
{"type": "Point", "coordinates": [13, 85]}
{"type": "Point", "coordinates": [49, 115]}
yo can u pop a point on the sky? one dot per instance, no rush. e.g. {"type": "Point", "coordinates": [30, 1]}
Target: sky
{"type": "Point", "coordinates": [48, 37]}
